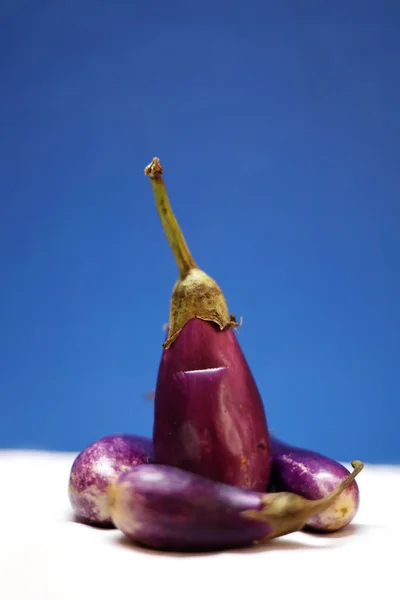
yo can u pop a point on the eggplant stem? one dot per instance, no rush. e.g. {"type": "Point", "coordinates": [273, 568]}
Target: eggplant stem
{"type": "Point", "coordinates": [182, 254]}
{"type": "Point", "coordinates": [195, 295]}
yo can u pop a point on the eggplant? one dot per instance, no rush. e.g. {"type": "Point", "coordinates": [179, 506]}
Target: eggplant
{"type": "Point", "coordinates": [96, 467]}
{"type": "Point", "coordinates": [209, 417]}
{"type": "Point", "coordinates": [167, 508]}
{"type": "Point", "coordinates": [314, 476]}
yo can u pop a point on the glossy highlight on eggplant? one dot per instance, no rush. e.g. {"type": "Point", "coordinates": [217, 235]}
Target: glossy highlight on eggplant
{"type": "Point", "coordinates": [167, 508]}
{"type": "Point", "coordinates": [96, 467]}
{"type": "Point", "coordinates": [314, 476]}
{"type": "Point", "coordinates": [209, 415]}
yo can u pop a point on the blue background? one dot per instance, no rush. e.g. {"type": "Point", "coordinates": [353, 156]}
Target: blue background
{"type": "Point", "coordinates": [279, 131]}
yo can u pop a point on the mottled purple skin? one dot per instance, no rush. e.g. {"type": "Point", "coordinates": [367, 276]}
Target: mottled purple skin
{"type": "Point", "coordinates": [209, 416]}
{"type": "Point", "coordinates": [314, 476]}
{"type": "Point", "coordinates": [96, 467]}
{"type": "Point", "coordinates": [169, 509]}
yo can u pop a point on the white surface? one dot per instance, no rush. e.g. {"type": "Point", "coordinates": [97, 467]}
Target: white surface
{"type": "Point", "coordinates": [45, 555]}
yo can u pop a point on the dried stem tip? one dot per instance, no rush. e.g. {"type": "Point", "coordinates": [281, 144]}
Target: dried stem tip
{"type": "Point", "coordinates": [195, 294]}
{"type": "Point", "coordinates": [154, 170]}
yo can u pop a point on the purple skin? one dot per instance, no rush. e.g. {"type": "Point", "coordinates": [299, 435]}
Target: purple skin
{"type": "Point", "coordinates": [313, 476]}
{"type": "Point", "coordinates": [170, 509]}
{"type": "Point", "coordinates": [99, 465]}
{"type": "Point", "coordinates": [209, 416]}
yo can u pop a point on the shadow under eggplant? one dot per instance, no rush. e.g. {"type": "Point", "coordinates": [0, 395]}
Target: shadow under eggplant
{"type": "Point", "coordinates": [351, 529]}
{"type": "Point", "coordinates": [102, 526]}
{"type": "Point", "coordinates": [275, 545]}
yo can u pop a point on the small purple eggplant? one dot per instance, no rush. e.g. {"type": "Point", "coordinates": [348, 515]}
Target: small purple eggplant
{"type": "Point", "coordinates": [209, 416]}
{"type": "Point", "coordinates": [313, 476]}
{"type": "Point", "coordinates": [167, 508]}
{"type": "Point", "coordinates": [96, 467]}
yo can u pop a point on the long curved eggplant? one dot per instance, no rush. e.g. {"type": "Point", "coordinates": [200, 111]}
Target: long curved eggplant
{"type": "Point", "coordinates": [96, 467]}
{"type": "Point", "coordinates": [170, 509]}
{"type": "Point", "coordinates": [209, 415]}
{"type": "Point", "coordinates": [313, 476]}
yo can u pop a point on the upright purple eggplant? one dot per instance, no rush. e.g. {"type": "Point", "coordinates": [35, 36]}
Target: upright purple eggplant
{"type": "Point", "coordinates": [170, 509]}
{"type": "Point", "coordinates": [314, 476]}
{"type": "Point", "coordinates": [209, 416]}
{"type": "Point", "coordinates": [96, 467]}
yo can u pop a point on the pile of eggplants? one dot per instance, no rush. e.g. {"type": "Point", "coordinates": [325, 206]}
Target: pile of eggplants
{"type": "Point", "coordinates": [213, 477]}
